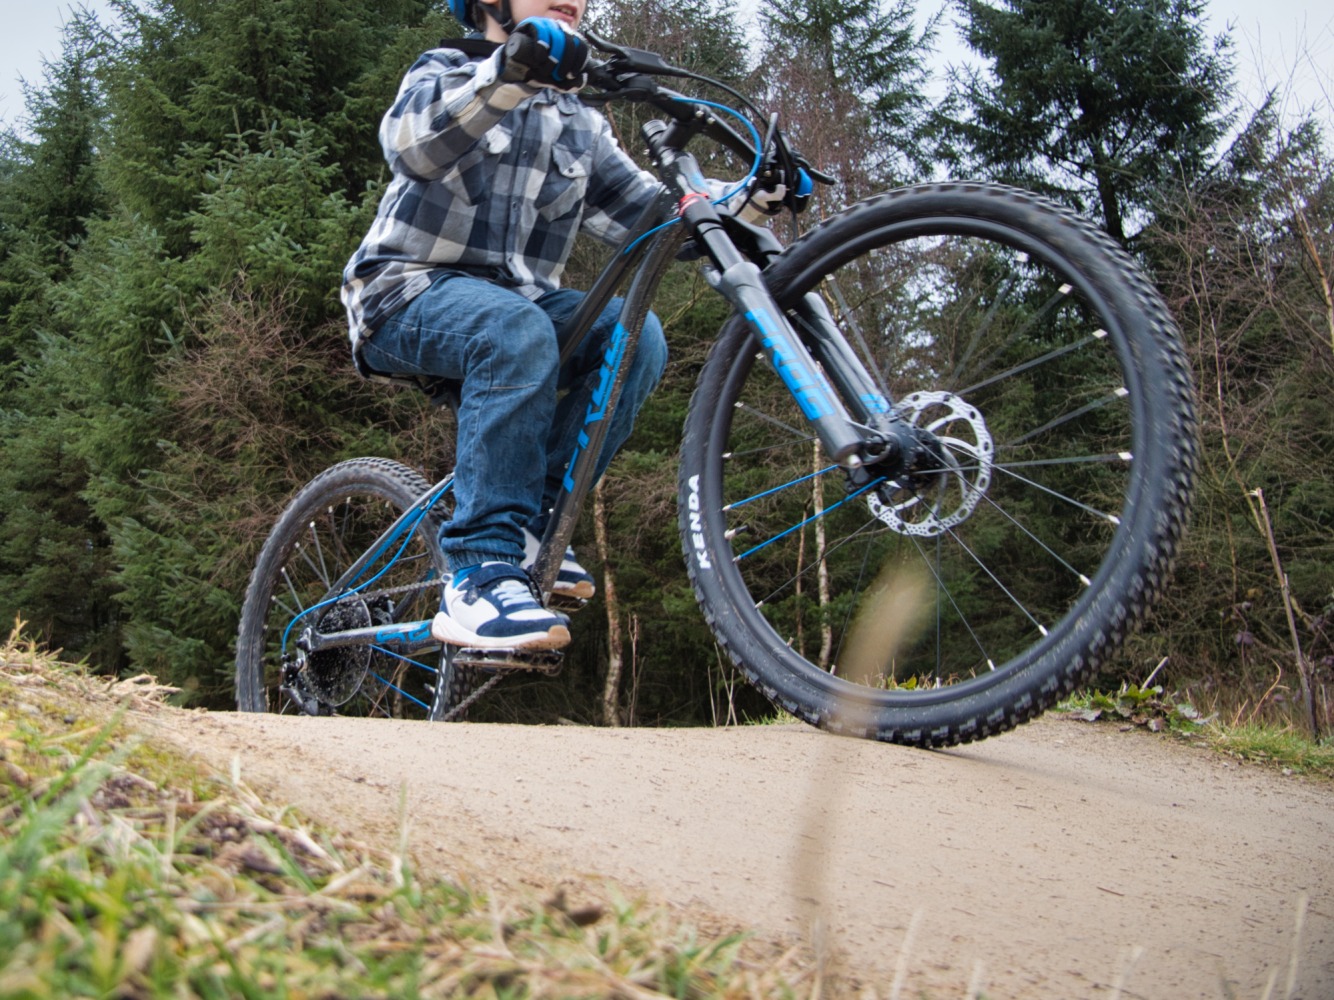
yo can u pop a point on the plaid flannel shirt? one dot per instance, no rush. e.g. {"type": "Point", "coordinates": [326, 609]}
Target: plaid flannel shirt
{"type": "Point", "coordinates": [493, 179]}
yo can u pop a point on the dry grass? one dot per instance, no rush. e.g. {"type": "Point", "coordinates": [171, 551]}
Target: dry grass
{"type": "Point", "coordinates": [126, 872]}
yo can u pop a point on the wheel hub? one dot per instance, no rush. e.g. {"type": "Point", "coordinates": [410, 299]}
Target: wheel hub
{"type": "Point", "coordinates": [944, 490]}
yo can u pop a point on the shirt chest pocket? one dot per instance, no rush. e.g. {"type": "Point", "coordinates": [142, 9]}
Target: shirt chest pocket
{"type": "Point", "coordinates": [566, 183]}
{"type": "Point", "coordinates": [473, 175]}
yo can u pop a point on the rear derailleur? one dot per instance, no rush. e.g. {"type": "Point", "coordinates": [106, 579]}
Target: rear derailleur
{"type": "Point", "coordinates": [293, 685]}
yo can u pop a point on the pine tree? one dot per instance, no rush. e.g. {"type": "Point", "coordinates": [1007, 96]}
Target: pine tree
{"type": "Point", "coordinates": [1099, 103]}
{"type": "Point", "coordinates": [235, 166]}
{"type": "Point", "coordinates": [244, 159]}
{"type": "Point", "coordinates": [53, 549]}
{"type": "Point", "coordinates": [49, 188]}
{"type": "Point", "coordinates": [849, 78]}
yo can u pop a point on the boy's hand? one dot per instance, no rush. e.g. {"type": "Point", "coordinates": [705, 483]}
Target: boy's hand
{"type": "Point", "coordinates": [546, 52]}
{"type": "Point", "coordinates": [771, 198]}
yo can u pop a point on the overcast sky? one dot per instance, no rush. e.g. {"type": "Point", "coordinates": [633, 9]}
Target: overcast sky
{"type": "Point", "coordinates": [1275, 40]}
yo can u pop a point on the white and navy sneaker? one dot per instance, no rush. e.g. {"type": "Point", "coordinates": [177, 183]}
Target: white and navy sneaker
{"type": "Point", "coordinates": [572, 581]}
{"type": "Point", "coordinates": [494, 607]}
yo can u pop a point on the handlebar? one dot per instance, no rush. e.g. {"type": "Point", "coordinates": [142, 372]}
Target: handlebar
{"type": "Point", "coordinates": [631, 74]}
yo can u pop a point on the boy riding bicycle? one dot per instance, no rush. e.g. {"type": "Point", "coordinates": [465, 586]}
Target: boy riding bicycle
{"type": "Point", "coordinates": [496, 167]}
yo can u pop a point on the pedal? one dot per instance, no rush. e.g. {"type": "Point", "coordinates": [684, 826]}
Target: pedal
{"type": "Point", "coordinates": [566, 603]}
{"type": "Point", "coordinates": [540, 661]}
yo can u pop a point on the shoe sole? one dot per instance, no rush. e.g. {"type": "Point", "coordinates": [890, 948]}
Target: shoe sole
{"type": "Point", "coordinates": [446, 629]}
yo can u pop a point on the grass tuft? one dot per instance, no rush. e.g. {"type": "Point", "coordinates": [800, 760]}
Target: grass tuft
{"type": "Point", "coordinates": [126, 872]}
{"type": "Point", "coordinates": [1281, 747]}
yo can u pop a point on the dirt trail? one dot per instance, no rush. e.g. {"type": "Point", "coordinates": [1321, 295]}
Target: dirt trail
{"type": "Point", "coordinates": [1063, 860]}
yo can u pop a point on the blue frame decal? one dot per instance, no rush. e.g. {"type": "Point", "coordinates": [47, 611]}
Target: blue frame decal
{"type": "Point", "coordinates": [413, 632]}
{"type": "Point", "coordinates": [808, 390]}
{"type": "Point", "coordinates": [597, 406]}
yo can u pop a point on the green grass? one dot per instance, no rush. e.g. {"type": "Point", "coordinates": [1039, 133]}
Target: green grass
{"type": "Point", "coordinates": [125, 872]}
{"type": "Point", "coordinates": [1281, 747]}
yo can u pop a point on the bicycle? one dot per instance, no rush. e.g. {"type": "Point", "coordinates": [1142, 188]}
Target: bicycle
{"type": "Point", "coordinates": [956, 409]}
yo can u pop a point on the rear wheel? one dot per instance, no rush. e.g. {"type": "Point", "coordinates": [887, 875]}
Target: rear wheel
{"type": "Point", "coordinates": [943, 607]}
{"type": "Point", "coordinates": [336, 517]}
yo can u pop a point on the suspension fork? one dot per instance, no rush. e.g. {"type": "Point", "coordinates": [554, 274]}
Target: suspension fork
{"type": "Point", "coordinates": [739, 280]}
{"type": "Point", "coordinates": [892, 444]}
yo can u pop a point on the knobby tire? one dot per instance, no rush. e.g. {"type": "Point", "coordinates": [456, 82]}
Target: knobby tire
{"type": "Point", "coordinates": [325, 527]}
{"type": "Point", "coordinates": [945, 610]}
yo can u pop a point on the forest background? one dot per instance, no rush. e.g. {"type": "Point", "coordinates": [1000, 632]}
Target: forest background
{"type": "Point", "coordinates": [189, 178]}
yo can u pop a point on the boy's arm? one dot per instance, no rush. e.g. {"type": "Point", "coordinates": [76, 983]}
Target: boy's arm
{"type": "Point", "coordinates": [618, 190]}
{"type": "Point", "coordinates": [444, 105]}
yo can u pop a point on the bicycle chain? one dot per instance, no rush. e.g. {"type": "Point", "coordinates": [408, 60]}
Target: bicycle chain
{"type": "Point", "coordinates": [458, 710]}
{"type": "Point", "coordinates": [403, 588]}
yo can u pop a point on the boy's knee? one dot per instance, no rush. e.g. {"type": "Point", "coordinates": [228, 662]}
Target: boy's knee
{"type": "Point", "coordinates": [524, 337]}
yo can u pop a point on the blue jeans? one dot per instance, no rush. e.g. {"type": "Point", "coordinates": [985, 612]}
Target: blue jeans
{"type": "Point", "coordinates": [516, 431]}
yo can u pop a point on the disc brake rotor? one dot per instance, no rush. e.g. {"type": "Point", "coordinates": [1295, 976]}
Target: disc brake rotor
{"type": "Point", "coordinates": [932, 503]}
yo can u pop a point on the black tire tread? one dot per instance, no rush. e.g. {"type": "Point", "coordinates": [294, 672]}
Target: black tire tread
{"type": "Point", "coordinates": [384, 476]}
{"type": "Point", "coordinates": [971, 718]}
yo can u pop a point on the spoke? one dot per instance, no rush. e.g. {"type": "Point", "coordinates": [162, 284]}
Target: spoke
{"type": "Point", "coordinates": [1107, 458]}
{"type": "Point", "coordinates": [943, 588]}
{"type": "Point", "coordinates": [814, 517]}
{"type": "Point", "coordinates": [1054, 300]}
{"type": "Point", "coordinates": [1100, 514]}
{"type": "Point", "coordinates": [816, 563]}
{"type": "Point", "coordinates": [405, 659]}
{"type": "Point", "coordinates": [304, 552]}
{"type": "Point", "coordinates": [338, 531]}
{"type": "Point", "coordinates": [779, 489]}
{"type": "Point", "coordinates": [997, 581]}
{"type": "Point", "coordinates": [982, 328]}
{"type": "Point", "coordinates": [940, 621]}
{"type": "Point", "coordinates": [394, 687]}
{"type": "Point", "coordinates": [297, 606]}
{"type": "Point", "coordinates": [1115, 396]}
{"type": "Point", "coordinates": [847, 618]}
{"type": "Point", "coordinates": [319, 550]}
{"type": "Point", "coordinates": [1053, 355]}
{"type": "Point", "coordinates": [800, 435]}
{"type": "Point", "coordinates": [781, 446]}
{"type": "Point", "coordinates": [968, 487]}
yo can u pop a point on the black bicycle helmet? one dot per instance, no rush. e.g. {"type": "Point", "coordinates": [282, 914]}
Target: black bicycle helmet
{"type": "Point", "coordinates": [462, 11]}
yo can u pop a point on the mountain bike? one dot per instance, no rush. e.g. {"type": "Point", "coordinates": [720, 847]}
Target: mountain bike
{"type": "Point", "coordinates": [934, 470]}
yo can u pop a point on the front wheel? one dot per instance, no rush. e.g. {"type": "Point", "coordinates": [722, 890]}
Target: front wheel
{"type": "Point", "coordinates": [941, 608]}
{"type": "Point", "coordinates": [327, 526]}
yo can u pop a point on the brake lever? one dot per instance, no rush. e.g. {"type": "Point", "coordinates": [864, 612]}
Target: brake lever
{"type": "Point", "coordinates": [817, 175]}
{"type": "Point", "coordinates": [793, 163]}
{"type": "Point", "coordinates": [632, 60]}
{"type": "Point", "coordinates": [618, 82]}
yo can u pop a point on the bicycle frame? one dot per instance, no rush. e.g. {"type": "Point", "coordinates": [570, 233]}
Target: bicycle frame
{"type": "Point", "coordinates": [802, 360]}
